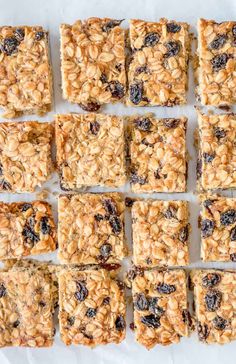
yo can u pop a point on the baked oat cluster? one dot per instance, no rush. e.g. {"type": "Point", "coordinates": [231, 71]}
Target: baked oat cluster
{"type": "Point", "coordinates": [25, 74]}
{"type": "Point", "coordinates": [93, 62]}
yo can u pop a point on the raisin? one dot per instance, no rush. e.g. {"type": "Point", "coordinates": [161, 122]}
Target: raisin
{"type": "Point", "coordinates": [110, 206]}
{"type": "Point", "coordinates": [94, 127]}
{"type": "Point", "coordinates": [219, 61]}
{"type": "Point", "coordinates": [120, 323]}
{"type": "Point", "coordinates": [143, 124]}
{"type": "Point", "coordinates": [234, 30]}
{"type": "Point", "coordinates": [16, 324]}
{"type": "Point", "coordinates": [151, 39]}
{"type": "Point", "coordinates": [118, 67]}
{"type": "Point", "coordinates": [183, 234]}
{"type": "Point", "coordinates": [103, 78]}
{"type": "Point", "coordinates": [39, 35]}
{"type": "Point", "coordinates": [171, 123]}
{"type": "Point", "coordinates": [135, 178]}
{"type": "Point", "coordinates": [82, 292]}
{"type": "Point", "coordinates": [170, 213]}
{"type": "Point", "coordinates": [110, 25]}
{"type": "Point", "coordinates": [106, 301]}
{"type": "Point", "coordinates": [145, 142]}
{"type": "Point", "coordinates": [9, 46]}
{"type": "Point", "coordinates": [115, 224]}
{"type": "Point", "coordinates": [131, 326]}
{"type": "Point", "coordinates": [45, 228]}
{"type": "Point", "coordinates": [154, 308]}
{"type": "Point", "coordinates": [207, 203]}
{"type": "Point", "coordinates": [4, 185]}
{"type": "Point", "coordinates": [187, 319]}
{"type": "Point", "coordinates": [26, 206]}
{"type": "Point", "coordinates": [141, 302]}
{"type": "Point", "coordinates": [71, 320]}
{"type": "Point", "coordinates": [203, 331]}
{"type": "Point", "coordinates": [3, 291]}
{"type": "Point", "coordinates": [208, 158]}
{"type": "Point", "coordinates": [136, 93]}
{"type": "Point", "coordinates": [233, 234]}
{"type": "Point", "coordinates": [219, 133]}
{"type": "Point", "coordinates": [141, 69]}
{"type": "Point", "coordinates": [91, 312]}
{"type": "Point", "coordinates": [42, 304]}
{"type": "Point", "coordinates": [228, 217]}
{"type": "Point", "coordinates": [19, 33]}
{"type": "Point", "coordinates": [207, 228]}
{"type": "Point", "coordinates": [233, 257]}
{"type": "Point", "coordinates": [211, 280]}
{"type": "Point", "coordinates": [219, 323]}
{"type": "Point", "coordinates": [1, 169]}
{"type": "Point", "coordinates": [98, 217]}
{"type": "Point", "coordinates": [213, 300]}
{"type": "Point", "coordinates": [105, 250]}
{"type": "Point", "coordinates": [218, 42]}
{"type": "Point", "coordinates": [173, 49]}
{"type": "Point", "coordinates": [116, 89]}
{"type": "Point", "coordinates": [31, 236]}
{"type": "Point", "coordinates": [157, 174]}
{"type": "Point", "coordinates": [151, 321]}
{"type": "Point", "coordinates": [164, 288]}
{"type": "Point", "coordinates": [173, 28]}
{"type": "Point", "coordinates": [129, 202]}
{"type": "Point", "coordinates": [199, 168]}
{"type": "Point", "coordinates": [90, 106]}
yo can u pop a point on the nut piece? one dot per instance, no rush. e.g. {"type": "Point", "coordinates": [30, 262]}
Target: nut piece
{"type": "Point", "coordinates": [158, 67]}
{"type": "Point", "coordinates": [25, 158]}
{"type": "Point", "coordinates": [93, 62]}
{"type": "Point", "coordinates": [92, 308]}
{"type": "Point", "coordinates": [160, 233]}
{"type": "Point", "coordinates": [25, 71]}
{"type": "Point", "coordinates": [90, 150]}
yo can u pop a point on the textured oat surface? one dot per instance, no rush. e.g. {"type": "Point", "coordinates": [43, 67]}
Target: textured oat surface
{"type": "Point", "coordinates": [92, 308]}
{"type": "Point", "coordinates": [215, 302]}
{"type": "Point", "coordinates": [90, 150]}
{"type": "Point", "coordinates": [217, 62]}
{"type": "Point", "coordinates": [93, 62]}
{"type": "Point", "coordinates": [25, 75]}
{"type": "Point", "coordinates": [25, 159]}
{"type": "Point", "coordinates": [158, 68]}
{"type": "Point", "coordinates": [91, 228]}
{"type": "Point", "coordinates": [158, 154]}
{"type": "Point", "coordinates": [160, 232]}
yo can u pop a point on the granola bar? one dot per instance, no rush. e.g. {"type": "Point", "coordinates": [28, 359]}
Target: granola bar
{"type": "Point", "coordinates": [25, 158]}
{"type": "Point", "coordinates": [26, 309]}
{"type": "Point", "coordinates": [160, 307]}
{"type": "Point", "coordinates": [158, 154]}
{"type": "Point", "coordinates": [90, 150]}
{"type": "Point", "coordinates": [26, 229]}
{"type": "Point", "coordinates": [92, 308]}
{"type": "Point", "coordinates": [218, 228]}
{"type": "Point", "coordinates": [217, 63]}
{"type": "Point", "coordinates": [158, 68]}
{"type": "Point", "coordinates": [91, 228]}
{"type": "Point", "coordinates": [25, 73]}
{"type": "Point", "coordinates": [160, 233]}
{"type": "Point", "coordinates": [215, 302]}
{"type": "Point", "coordinates": [93, 62]}
{"type": "Point", "coordinates": [216, 167]}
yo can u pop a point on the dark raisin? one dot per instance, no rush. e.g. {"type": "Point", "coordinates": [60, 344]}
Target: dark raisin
{"type": "Point", "coordinates": [135, 178]}
{"type": "Point", "coordinates": [105, 250]}
{"type": "Point", "coordinates": [164, 288]}
{"type": "Point", "coordinates": [26, 206]}
{"type": "Point", "coordinates": [45, 228]}
{"type": "Point", "coordinates": [3, 291]}
{"type": "Point", "coordinates": [98, 217]}
{"type": "Point", "coordinates": [141, 69]}
{"type": "Point", "coordinates": [9, 45]}
{"type": "Point", "coordinates": [208, 158]}
{"type": "Point", "coordinates": [129, 202]}
{"type": "Point", "coordinates": [233, 234]}
{"type": "Point", "coordinates": [116, 89]}
{"type": "Point", "coordinates": [30, 234]}
{"type": "Point", "coordinates": [151, 321]}
{"type": "Point", "coordinates": [120, 323]}
{"type": "Point", "coordinates": [233, 257]}
{"type": "Point", "coordinates": [151, 39]}
{"type": "Point", "coordinates": [1, 169]}
{"type": "Point", "coordinates": [199, 168]}
{"type": "Point", "coordinates": [211, 280]}
{"type": "Point", "coordinates": [157, 174]}
{"type": "Point", "coordinates": [115, 224]}
{"type": "Point", "coordinates": [213, 300]}
{"type": "Point", "coordinates": [207, 203]}
{"type": "Point", "coordinates": [118, 67]}
{"type": "Point", "coordinates": [207, 228]}
{"type": "Point", "coordinates": [4, 185]}
{"type": "Point", "coordinates": [234, 30]}
{"type": "Point", "coordinates": [110, 206]}
{"type": "Point", "coordinates": [171, 123]}
{"type": "Point", "coordinates": [219, 61]}
{"type": "Point", "coordinates": [183, 234]}
{"type": "Point", "coordinates": [90, 106]}
{"type": "Point", "coordinates": [19, 33]}
{"type": "Point", "coordinates": [219, 323]}
{"type": "Point", "coordinates": [106, 301]}
{"type": "Point", "coordinates": [94, 127]}
{"type": "Point", "coordinates": [110, 25]}
{"type": "Point", "coordinates": [219, 133]}
{"type": "Point", "coordinates": [131, 326]}
{"type": "Point", "coordinates": [228, 217]}
{"type": "Point", "coordinates": [218, 42]}
{"type": "Point", "coordinates": [103, 78]}
{"type": "Point", "coordinates": [91, 312]}
{"type": "Point", "coordinates": [141, 302]}
{"type": "Point", "coordinates": [187, 319]}
{"type": "Point", "coordinates": [42, 304]}
{"type": "Point", "coordinates": [82, 292]}
{"type": "Point", "coordinates": [143, 124]}
{"type": "Point", "coordinates": [173, 28]}
{"type": "Point", "coordinates": [173, 48]}
{"type": "Point", "coordinates": [203, 331]}
{"type": "Point", "coordinates": [154, 308]}
{"type": "Point", "coordinates": [71, 320]}
{"type": "Point", "coordinates": [39, 35]}
{"type": "Point", "coordinates": [136, 92]}
{"type": "Point", "coordinates": [16, 324]}
{"type": "Point", "coordinates": [170, 213]}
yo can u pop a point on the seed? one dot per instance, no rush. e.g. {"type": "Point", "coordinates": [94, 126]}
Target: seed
{"type": "Point", "coordinates": [228, 217]}
{"type": "Point", "coordinates": [82, 292]}
{"type": "Point", "coordinates": [110, 25]}
{"type": "Point", "coordinates": [219, 323]}
{"type": "Point", "coordinates": [211, 280]}
{"type": "Point", "coordinates": [173, 28]}
{"type": "Point", "coordinates": [207, 228]}
{"type": "Point", "coordinates": [219, 61]}
{"type": "Point", "coordinates": [120, 323]}
{"type": "Point", "coordinates": [164, 288]}
{"type": "Point", "coordinates": [151, 321]}
{"type": "Point", "coordinates": [94, 127]}
{"type": "Point", "coordinates": [173, 48]}
{"type": "Point", "coordinates": [143, 124]}
{"type": "Point", "coordinates": [91, 312]}
{"type": "Point", "coordinates": [213, 300]}
{"type": "Point", "coordinates": [218, 42]}
{"type": "Point", "coordinates": [171, 123]}
{"type": "Point", "coordinates": [151, 39]}
{"type": "Point", "coordinates": [136, 93]}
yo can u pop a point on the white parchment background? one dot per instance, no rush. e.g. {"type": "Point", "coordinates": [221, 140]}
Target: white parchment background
{"type": "Point", "coordinates": [49, 14]}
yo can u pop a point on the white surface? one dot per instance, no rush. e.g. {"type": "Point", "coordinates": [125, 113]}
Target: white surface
{"type": "Point", "coordinates": [50, 13]}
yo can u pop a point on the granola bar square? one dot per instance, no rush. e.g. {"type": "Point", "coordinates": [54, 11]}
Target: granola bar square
{"type": "Point", "coordinates": [91, 308]}
{"type": "Point", "coordinates": [26, 229]}
{"type": "Point", "coordinates": [90, 150]}
{"type": "Point", "coordinates": [218, 228]}
{"type": "Point", "coordinates": [214, 298]}
{"type": "Point", "coordinates": [160, 307]}
{"type": "Point", "coordinates": [25, 158]}
{"type": "Point", "coordinates": [160, 232]}
{"type": "Point", "coordinates": [158, 68]}
{"type": "Point", "coordinates": [93, 62]}
{"type": "Point", "coordinates": [25, 71]}
{"type": "Point", "coordinates": [158, 154]}
{"type": "Point", "coordinates": [216, 62]}
{"type": "Point", "coordinates": [217, 151]}
{"type": "Point", "coordinates": [91, 228]}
